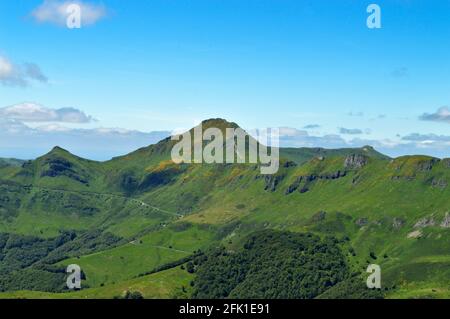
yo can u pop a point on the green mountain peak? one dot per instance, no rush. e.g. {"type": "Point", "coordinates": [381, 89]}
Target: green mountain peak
{"type": "Point", "coordinates": [218, 123]}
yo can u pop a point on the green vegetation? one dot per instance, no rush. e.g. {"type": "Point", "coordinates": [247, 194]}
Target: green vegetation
{"type": "Point", "coordinates": [27, 262]}
{"type": "Point", "coordinates": [141, 255]}
{"type": "Point", "coordinates": [140, 213]}
{"type": "Point", "coordinates": [172, 283]}
{"type": "Point", "coordinates": [352, 288]}
{"type": "Point", "coordinates": [271, 265]}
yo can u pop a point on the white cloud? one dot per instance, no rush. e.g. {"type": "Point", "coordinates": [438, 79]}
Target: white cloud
{"type": "Point", "coordinates": [291, 132]}
{"type": "Point", "coordinates": [19, 75]}
{"type": "Point", "coordinates": [20, 138]}
{"type": "Point", "coordinates": [32, 112]}
{"type": "Point", "coordinates": [416, 137]}
{"type": "Point", "coordinates": [55, 12]}
{"type": "Point", "coordinates": [33, 71]}
{"type": "Point", "coordinates": [441, 115]}
{"type": "Point", "coordinates": [8, 126]}
{"type": "Point", "coordinates": [21, 141]}
{"type": "Point", "coordinates": [413, 144]}
{"type": "Point", "coordinates": [52, 128]}
{"type": "Point", "coordinates": [8, 72]}
{"type": "Point", "coordinates": [350, 131]}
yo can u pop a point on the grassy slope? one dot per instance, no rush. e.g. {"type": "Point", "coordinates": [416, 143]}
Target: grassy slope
{"type": "Point", "coordinates": [140, 256]}
{"type": "Point", "coordinates": [163, 285]}
{"type": "Point", "coordinates": [409, 260]}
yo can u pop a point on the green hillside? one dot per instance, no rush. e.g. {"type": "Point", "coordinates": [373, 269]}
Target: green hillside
{"type": "Point", "coordinates": [142, 215]}
{"type": "Point", "coordinates": [172, 283]}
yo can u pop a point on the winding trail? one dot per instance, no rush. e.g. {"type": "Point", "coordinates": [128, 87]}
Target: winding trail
{"type": "Point", "coordinates": [132, 199]}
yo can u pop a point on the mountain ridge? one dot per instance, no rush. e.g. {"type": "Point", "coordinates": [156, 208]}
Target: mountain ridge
{"type": "Point", "coordinates": [222, 124]}
{"type": "Point", "coordinates": [395, 209]}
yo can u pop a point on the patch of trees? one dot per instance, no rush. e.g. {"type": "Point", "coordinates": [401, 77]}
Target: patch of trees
{"type": "Point", "coordinates": [83, 244]}
{"type": "Point", "coordinates": [130, 295]}
{"type": "Point", "coordinates": [55, 166]}
{"type": "Point", "coordinates": [270, 264]}
{"type": "Point", "coordinates": [26, 262]}
{"type": "Point", "coordinates": [18, 252]}
{"type": "Point", "coordinates": [352, 288]}
{"type": "Point", "coordinates": [198, 255]}
{"type": "Point", "coordinates": [33, 279]}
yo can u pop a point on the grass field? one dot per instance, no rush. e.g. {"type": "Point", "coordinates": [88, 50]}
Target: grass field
{"type": "Point", "coordinates": [172, 283]}
{"type": "Point", "coordinates": [140, 256]}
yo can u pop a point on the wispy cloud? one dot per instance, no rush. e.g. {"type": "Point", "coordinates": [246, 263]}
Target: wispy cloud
{"type": "Point", "coordinates": [33, 71]}
{"type": "Point", "coordinates": [12, 74]}
{"type": "Point", "coordinates": [416, 137]}
{"type": "Point", "coordinates": [291, 137]}
{"type": "Point", "coordinates": [350, 131]}
{"type": "Point", "coordinates": [291, 132]}
{"type": "Point", "coordinates": [311, 126]}
{"type": "Point", "coordinates": [33, 112]}
{"type": "Point", "coordinates": [55, 12]}
{"type": "Point", "coordinates": [357, 114]}
{"type": "Point", "coordinates": [441, 115]}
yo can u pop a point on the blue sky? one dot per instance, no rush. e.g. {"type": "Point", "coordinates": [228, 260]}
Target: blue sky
{"type": "Point", "coordinates": [157, 65]}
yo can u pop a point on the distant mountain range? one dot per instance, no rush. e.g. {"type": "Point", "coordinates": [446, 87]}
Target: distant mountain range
{"type": "Point", "coordinates": [10, 162]}
{"type": "Point", "coordinates": [131, 222]}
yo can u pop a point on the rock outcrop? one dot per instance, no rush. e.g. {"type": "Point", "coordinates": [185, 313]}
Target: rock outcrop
{"type": "Point", "coordinates": [398, 223]}
{"type": "Point", "coordinates": [289, 164]}
{"type": "Point", "coordinates": [439, 183]}
{"type": "Point", "coordinates": [446, 221]}
{"type": "Point", "coordinates": [446, 162]}
{"type": "Point", "coordinates": [56, 167]}
{"type": "Point", "coordinates": [272, 181]}
{"type": "Point", "coordinates": [355, 161]}
{"type": "Point", "coordinates": [362, 221]}
{"type": "Point", "coordinates": [425, 222]}
{"type": "Point", "coordinates": [308, 179]}
{"type": "Point", "coordinates": [427, 165]}
{"type": "Point", "coordinates": [294, 186]}
{"type": "Point", "coordinates": [415, 234]}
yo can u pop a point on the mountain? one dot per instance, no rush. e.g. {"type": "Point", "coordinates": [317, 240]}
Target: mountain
{"type": "Point", "coordinates": [10, 162]}
{"type": "Point", "coordinates": [137, 218]}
